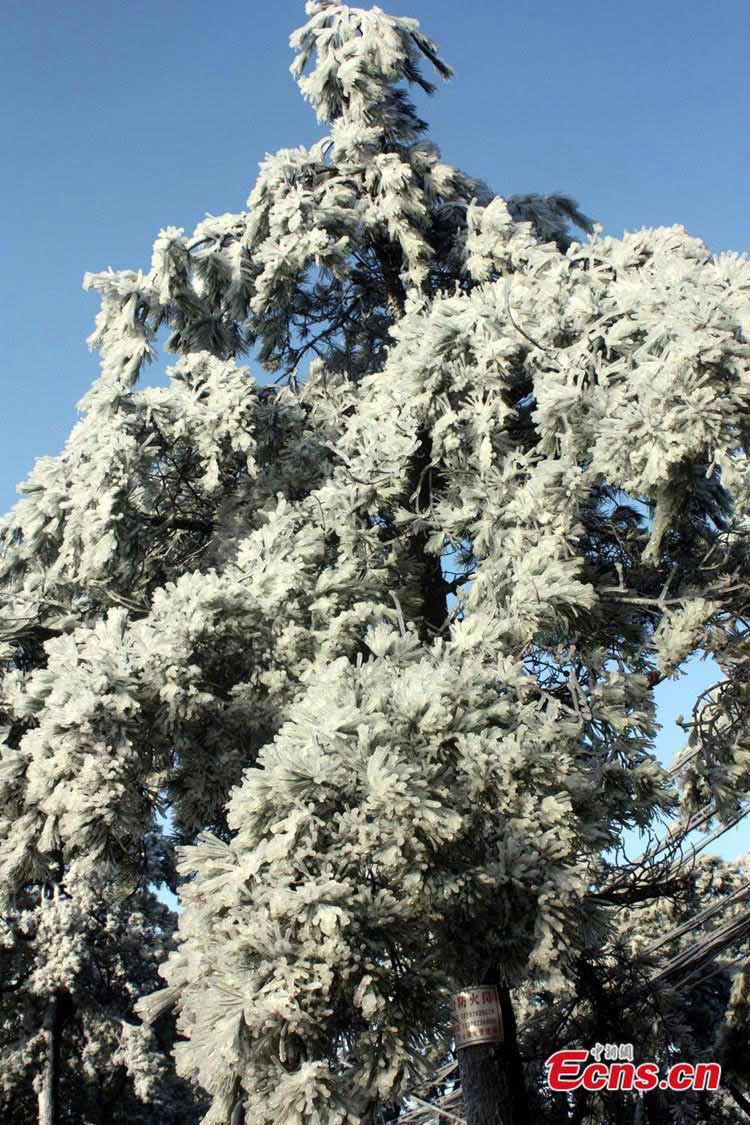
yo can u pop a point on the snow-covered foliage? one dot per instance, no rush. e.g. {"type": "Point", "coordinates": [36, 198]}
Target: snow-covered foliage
{"type": "Point", "coordinates": [96, 949]}
{"type": "Point", "coordinates": [381, 639]}
{"type": "Point", "coordinates": [671, 981]}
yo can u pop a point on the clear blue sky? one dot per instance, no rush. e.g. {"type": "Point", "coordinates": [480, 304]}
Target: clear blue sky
{"type": "Point", "coordinates": [122, 118]}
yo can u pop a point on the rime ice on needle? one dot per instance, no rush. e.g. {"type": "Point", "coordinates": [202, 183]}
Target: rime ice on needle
{"type": "Point", "coordinates": [227, 598]}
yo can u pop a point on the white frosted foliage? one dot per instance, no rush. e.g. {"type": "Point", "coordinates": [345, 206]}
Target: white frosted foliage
{"type": "Point", "coordinates": [349, 632]}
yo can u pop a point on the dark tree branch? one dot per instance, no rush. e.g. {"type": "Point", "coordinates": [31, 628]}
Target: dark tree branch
{"type": "Point", "coordinates": [179, 523]}
{"type": "Point", "coordinates": [740, 1098]}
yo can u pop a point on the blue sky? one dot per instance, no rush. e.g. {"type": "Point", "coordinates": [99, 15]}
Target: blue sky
{"type": "Point", "coordinates": [124, 118]}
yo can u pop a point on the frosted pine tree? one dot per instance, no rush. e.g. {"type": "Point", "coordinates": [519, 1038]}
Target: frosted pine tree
{"type": "Point", "coordinates": [671, 982]}
{"type": "Point", "coordinates": [74, 961]}
{"type": "Point", "coordinates": [377, 631]}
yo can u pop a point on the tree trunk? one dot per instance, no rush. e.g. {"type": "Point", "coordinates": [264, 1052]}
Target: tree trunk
{"type": "Point", "coordinates": [492, 1078]}
{"type": "Point", "coordinates": [491, 1074]}
{"type": "Point", "coordinates": [49, 1094]}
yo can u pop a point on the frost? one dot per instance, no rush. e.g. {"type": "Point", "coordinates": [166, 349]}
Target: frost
{"type": "Point", "coordinates": [373, 618]}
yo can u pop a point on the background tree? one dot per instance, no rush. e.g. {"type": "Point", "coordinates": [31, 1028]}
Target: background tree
{"type": "Point", "coordinates": [74, 962]}
{"type": "Point", "coordinates": [381, 637]}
